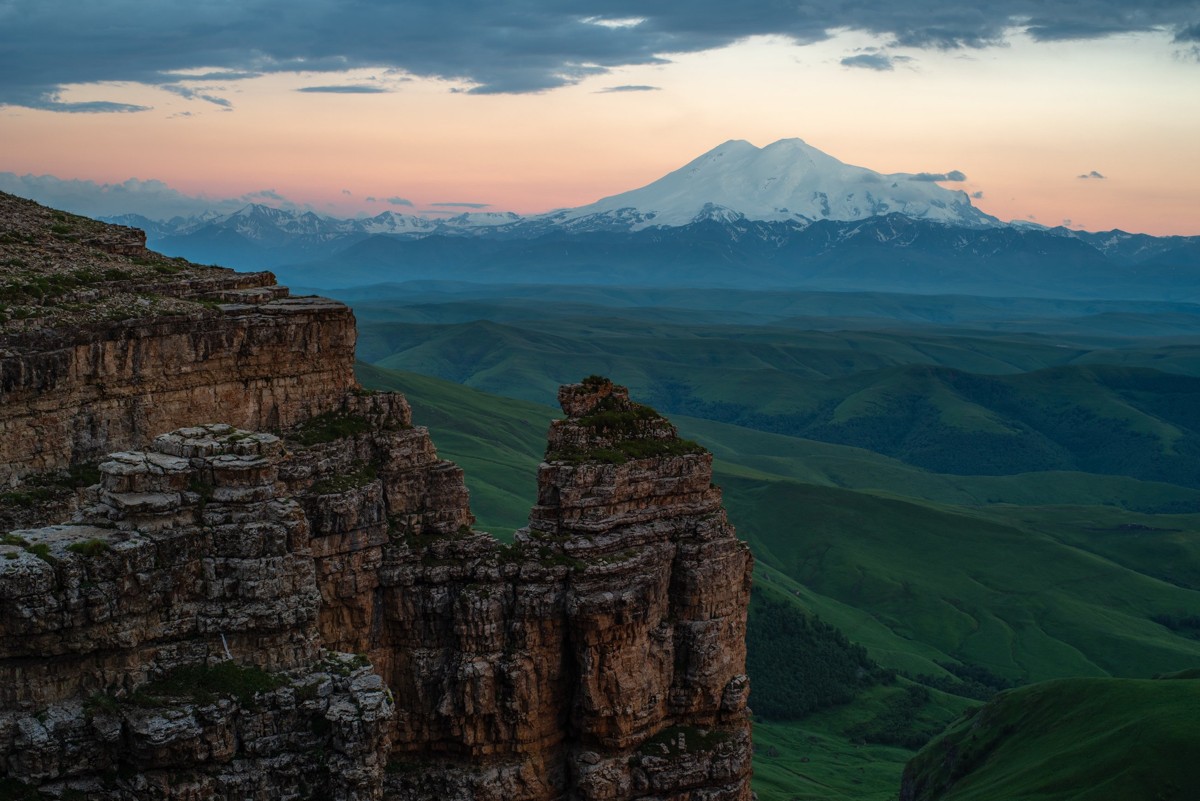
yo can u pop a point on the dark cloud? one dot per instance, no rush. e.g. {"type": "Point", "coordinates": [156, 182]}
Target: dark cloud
{"type": "Point", "coordinates": [153, 199]}
{"type": "Point", "coordinates": [1189, 34]}
{"type": "Point", "coordinates": [628, 88]}
{"type": "Point", "coordinates": [977, 195]}
{"type": "Point", "coordinates": [264, 194]}
{"type": "Point", "coordinates": [517, 46]}
{"type": "Point", "coordinates": [1055, 30]}
{"type": "Point", "coordinates": [953, 175]}
{"type": "Point", "coordinates": [345, 90]}
{"type": "Point", "coordinates": [50, 102]}
{"type": "Point", "coordinates": [192, 94]}
{"type": "Point", "coordinates": [399, 201]}
{"type": "Point", "coordinates": [1091, 175]}
{"type": "Point", "coordinates": [870, 61]}
{"type": "Point", "coordinates": [461, 205]}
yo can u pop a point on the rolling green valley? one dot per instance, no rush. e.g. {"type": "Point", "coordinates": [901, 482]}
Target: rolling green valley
{"type": "Point", "coordinates": [949, 500]}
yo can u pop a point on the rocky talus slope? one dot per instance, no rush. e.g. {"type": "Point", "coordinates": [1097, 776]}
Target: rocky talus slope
{"type": "Point", "coordinates": [308, 613]}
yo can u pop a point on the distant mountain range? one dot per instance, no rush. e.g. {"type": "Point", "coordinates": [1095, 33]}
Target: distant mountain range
{"type": "Point", "coordinates": [783, 215]}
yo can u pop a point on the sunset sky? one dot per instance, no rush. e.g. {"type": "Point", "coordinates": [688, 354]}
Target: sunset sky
{"type": "Point", "coordinates": [1064, 113]}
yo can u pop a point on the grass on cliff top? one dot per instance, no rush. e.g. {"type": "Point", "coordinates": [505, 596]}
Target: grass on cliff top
{"type": "Point", "coordinates": [623, 450]}
{"type": "Point", "coordinates": [328, 427]}
{"type": "Point", "coordinates": [204, 684]}
{"type": "Point", "coordinates": [1071, 740]}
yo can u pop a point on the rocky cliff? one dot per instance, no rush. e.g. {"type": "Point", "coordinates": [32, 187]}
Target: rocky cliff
{"type": "Point", "coordinates": [165, 644]}
{"type": "Point", "coordinates": [308, 613]}
{"type": "Point", "coordinates": [105, 345]}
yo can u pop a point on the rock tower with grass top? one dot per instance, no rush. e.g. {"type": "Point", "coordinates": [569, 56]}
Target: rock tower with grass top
{"type": "Point", "coordinates": [308, 613]}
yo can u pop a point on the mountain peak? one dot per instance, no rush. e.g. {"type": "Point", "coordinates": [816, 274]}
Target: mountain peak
{"type": "Point", "coordinates": [788, 180]}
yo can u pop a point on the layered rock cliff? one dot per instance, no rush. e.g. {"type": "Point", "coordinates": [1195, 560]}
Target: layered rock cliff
{"type": "Point", "coordinates": [282, 615]}
{"type": "Point", "coordinates": [105, 345]}
{"type": "Point", "coordinates": [165, 644]}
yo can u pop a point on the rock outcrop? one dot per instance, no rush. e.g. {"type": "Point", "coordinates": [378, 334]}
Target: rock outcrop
{"type": "Point", "coordinates": [602, 655]}
{"type": "Point", "coordinates": [308, 613]}
{"type": "Point", "coordinates": [72, 397]}
{"type": "Point", "coordinates": [165, 645]}
{"type": "Point", "coordinates": [105, 345]}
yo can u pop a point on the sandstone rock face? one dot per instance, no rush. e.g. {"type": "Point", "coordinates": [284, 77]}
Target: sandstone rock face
{"type": "Point", "coordinates": [239, 615]}
{"type": "Point", "coordinates": [105, 345]}
{"type": "Point", "coordinates": [165, 645]}
{"type": "Point", "coordinates": [74, 397]}
{"type": "Point", "coordinates": [600, 656]}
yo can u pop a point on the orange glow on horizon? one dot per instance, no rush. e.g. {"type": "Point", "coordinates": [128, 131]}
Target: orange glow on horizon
{"type": "Point", "coordinates": [1022, 122]}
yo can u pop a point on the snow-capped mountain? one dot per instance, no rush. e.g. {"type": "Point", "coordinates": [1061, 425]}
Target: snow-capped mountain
{"type": "Point", "coordinates": [781, 215]}
{"type": "Point", "coordinates": [788, 181]}
{"type": "Point", "coordinates": [785, 181]}
{"type": "Point", "coordinates": [389, 222]}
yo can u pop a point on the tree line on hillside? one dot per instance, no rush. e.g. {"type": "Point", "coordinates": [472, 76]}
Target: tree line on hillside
{"type": "Point", "coordinates": [799, 664]}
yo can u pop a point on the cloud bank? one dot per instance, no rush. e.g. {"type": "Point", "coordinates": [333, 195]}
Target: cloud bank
{"type": "Point", "coordinates": [511, 47]}
{"type": "Point", "coordinates": [152, 199]}
{"type": "Point", "coordinates": [953, 175]}
{"type": "Point", "coordinates": [878, 61]}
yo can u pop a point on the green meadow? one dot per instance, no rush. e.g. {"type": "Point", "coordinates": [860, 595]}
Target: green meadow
{"type": "Point", "coordinates": [1094, 739]}
{"type": "Point", "coordinates": [969, 494]}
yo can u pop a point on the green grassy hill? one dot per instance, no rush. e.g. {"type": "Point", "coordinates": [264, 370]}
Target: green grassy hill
{"type": "Point", "coordinates": [1029, 592]}
{"type": "Point", "coordinates": [979, 492]}
{"type": "Point", "coordinates": [947, 400]}
{"type": "Point", "coordinates": [991, 588]}
{"type": "Point", "coordinates": [498, 442]}
{"type": "Point", "coordinates": [1069, 740]}
{"type": "Point", "coordinates": [928, 587]}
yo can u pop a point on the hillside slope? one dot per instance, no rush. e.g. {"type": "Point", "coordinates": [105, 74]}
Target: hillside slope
{"type": "Point", "coordinates": [1029, 592]}
{"type": "Point", "coordinates": [1068, 740]}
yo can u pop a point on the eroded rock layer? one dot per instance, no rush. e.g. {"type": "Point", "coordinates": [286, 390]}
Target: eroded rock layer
{"type": "Point", "coordinates": [309, 614]}
{"type": "Point", "coordinates": [600, 656]}
{"type": "Point", "coordinates": [165, 645]}
{"type": "Point", "coordinates": [73, 397]}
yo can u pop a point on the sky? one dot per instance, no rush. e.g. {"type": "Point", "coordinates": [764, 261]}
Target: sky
{"type": "Point", "coordinates": [1059, 112]}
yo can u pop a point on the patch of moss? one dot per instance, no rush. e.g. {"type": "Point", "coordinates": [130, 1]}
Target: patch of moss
{"type": "Point", "coordinates": [25, 499]}
{"type": "Point", "coordinates": [421, 540]}
{"type": "Point", "coordinates": [329, 427]}
{"type": "Point", "coordinates": [624, 450]}
{"type": "Point", "coordinates": [89, 548]}
{"type": "Point", "coordinates": [613, 417]}
{"type": "Point", "coordinates": [42, 551]}
{"type": "Point", "coordinates": [308, 692]}
{"type": "Point", "coordinates": [204, 684]}
{"type": "Point", "coordinates": [683, 740]}
{"type": "Point", "coordinates": [102, 703]}
{"type": "Point", "coordinates": [551, 558]}
{"type": "Point", "coordinates": [361, 475]}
